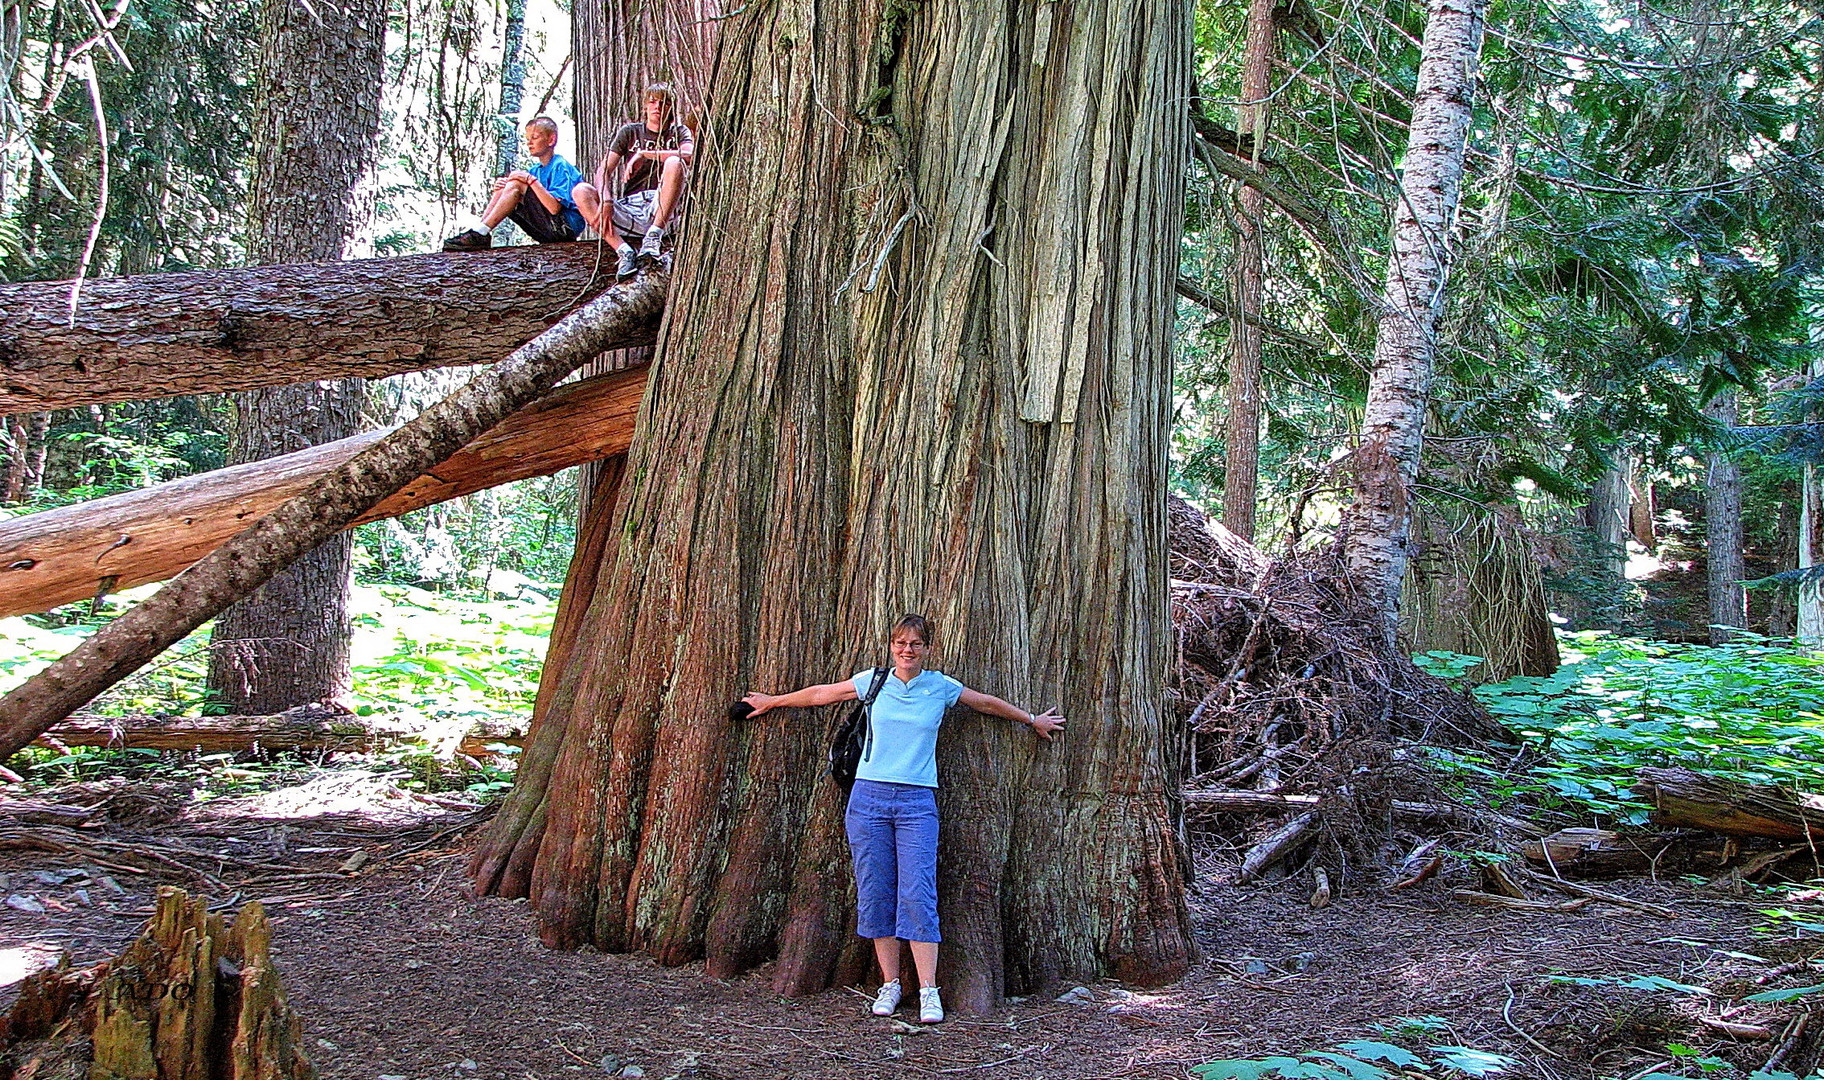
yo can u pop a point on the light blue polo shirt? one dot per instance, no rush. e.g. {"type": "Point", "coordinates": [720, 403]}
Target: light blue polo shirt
{"type": "Point", "coordinates": [906, 717]}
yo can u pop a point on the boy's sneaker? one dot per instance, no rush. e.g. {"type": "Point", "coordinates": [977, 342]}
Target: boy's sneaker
{"type": "Point", "coordinates": [629, 261]}
{"type": "Point", "coordinates": [469, 240]}
{"type": "Point", "coordinates": [649, 247]}
{"type": "Point", "coordinates": [887, 1000]}
{"type": "Point", "coordinates": [930, 1006]}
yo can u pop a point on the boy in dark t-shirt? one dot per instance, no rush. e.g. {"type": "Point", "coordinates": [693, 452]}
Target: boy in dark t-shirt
{"type": "Point", "coordinates": [539, 200]}
{"type": "Point", "coordinates": [648, 160]}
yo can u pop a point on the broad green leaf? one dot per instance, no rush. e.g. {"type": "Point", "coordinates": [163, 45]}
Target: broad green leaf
{"type": "Point", "coordinates": [1381, 1051]}
{"type": "Point", "coordinates": [1792, 994]}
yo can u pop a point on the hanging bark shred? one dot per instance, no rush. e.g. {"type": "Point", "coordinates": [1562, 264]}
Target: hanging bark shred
{"type": "Point", "coordinates": [1386, 463]}
{"type": "Point", "coordinates": [278, 539]}
{"type": "Point", "coordinates": [61, 556]}
{"type": "Point", "coordinates": [213, 331]}
{"type": "Point", "coordinates": [193, 998]}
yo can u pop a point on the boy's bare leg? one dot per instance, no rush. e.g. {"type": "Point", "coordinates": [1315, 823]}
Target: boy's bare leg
{"type": "Point", "coordinates": [502, 203]}
{"type": "Point", "coordinates": [671, 185]}
{"type": "Point", "coordinates": [588, 203]}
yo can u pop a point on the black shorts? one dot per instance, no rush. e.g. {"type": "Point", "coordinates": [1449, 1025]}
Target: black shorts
{"type": "Point", "coordinates": [541, 224]}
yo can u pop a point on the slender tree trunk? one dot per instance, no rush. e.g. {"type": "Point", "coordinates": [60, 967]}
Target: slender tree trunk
{"type": "Point", "coordinates": [38, 452]}
{"type": "Point", "coordinates": [319, 115]}
{"type": "Point", "coordinates": [1725, 568]}
{"type": "Point", "coordinates": [929, 371]}
{"type": "Point", "coordinates": [1241, 469]}
{"type": "Point", "coordinates": [1811, 542]}
{"type": "Point", "coordinates": [12, 428]}
{"type": "Point", "coordinates": [1608, 513]}
{"type": "Point", "coordinates": [1379, 522]}
{"type": "Point", "coordinates": [512, 94]}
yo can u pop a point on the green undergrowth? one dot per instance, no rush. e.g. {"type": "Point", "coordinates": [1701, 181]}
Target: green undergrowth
{"type": "Point", "coordinates": [1751, 711]}
{"type": "Point", "coordinates": [423, 662]}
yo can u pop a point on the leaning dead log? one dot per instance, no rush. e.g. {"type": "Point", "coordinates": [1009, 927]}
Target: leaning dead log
{"type": "Point", "coordinates": [193, 997]}
{"type": "Point", "coordinates": [1276, 847]}
{"type": "Point", "coordinates": [74, 552]}
{"type": "Point", "coordinates": [307, 727]}
{"type": "Point", "coordinates": [248, 561]}
{"type": "Point", "coordinates": [1205, 802]}
{"type": "Point", "coordinates": [1693, 800]}
{"type": "Point", "coordinates": [212, 331]}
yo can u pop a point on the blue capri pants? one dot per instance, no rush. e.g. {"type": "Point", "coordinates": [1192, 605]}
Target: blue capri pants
{"type": "Point", "coordinates": [893, 838]}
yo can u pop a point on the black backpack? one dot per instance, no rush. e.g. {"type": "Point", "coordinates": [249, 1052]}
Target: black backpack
{"type": "Point", "coordinates": [857, 728]}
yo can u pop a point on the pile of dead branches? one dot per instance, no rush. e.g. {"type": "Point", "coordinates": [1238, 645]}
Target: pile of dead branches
{"type": "Point", "coordinates": [1293, 704]}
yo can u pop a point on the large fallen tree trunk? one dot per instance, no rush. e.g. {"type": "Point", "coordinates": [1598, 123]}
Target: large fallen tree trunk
{"type": "Point", "coordinates": [307, 727]}
{"type": "Point", "coordinates": [250, 559]}
{"type": "Point", "coordinates": [75, 552]}
{"type": "Point", "coordinates": [1694, 800]}
{"type": "Point", "coordinates": [212, 331]}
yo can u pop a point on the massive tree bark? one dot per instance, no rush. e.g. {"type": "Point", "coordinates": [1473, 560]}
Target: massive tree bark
{"type": "Point", "coordinates": [75, 552]}
{"type": "Point", "coordinates": [1725, 567]}
{"type": "Point", "coordinates": [248, 561]}
{"type": "Point", "coordinates": [319, 118]}
{"type": "Point", "coordinates": [1241, 464]}
{"type": "Point", "coordinates": [928, 371]}
{"type": "Point", "coordinates": [1379, 521]}
{"type": "Point", "coordinates": [210, 332]}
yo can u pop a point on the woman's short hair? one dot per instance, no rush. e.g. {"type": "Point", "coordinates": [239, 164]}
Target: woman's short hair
{"type": "Point", "coordinates": [917, 624]}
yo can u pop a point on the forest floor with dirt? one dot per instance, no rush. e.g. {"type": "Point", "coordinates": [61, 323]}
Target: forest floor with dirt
{"type": "Point", "coordinates": [398, 976]}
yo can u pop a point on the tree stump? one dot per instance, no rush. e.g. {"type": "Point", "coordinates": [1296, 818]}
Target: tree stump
{"type": "Point", "coordinates": [192, 999]}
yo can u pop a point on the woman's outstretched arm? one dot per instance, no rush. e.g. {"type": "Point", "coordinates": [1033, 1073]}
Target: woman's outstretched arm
{"type": "Point", "coordinates": [1043, 724]}
{"type": "Point", "coordinates": [825, 694]}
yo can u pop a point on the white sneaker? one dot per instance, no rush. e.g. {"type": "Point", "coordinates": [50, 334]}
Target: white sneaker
{"type": "Point", "coordinates": [930, 1006]}
{"type": "Point", "coordinates": [887, 1000]}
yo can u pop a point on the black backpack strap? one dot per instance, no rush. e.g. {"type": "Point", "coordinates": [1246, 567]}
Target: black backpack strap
{"type": "Point", "coordinates": [880, 680]}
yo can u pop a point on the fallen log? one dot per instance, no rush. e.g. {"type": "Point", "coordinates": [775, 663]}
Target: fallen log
{"type": "Point", "coordinates": [191, 997]}
{"type": "Point", "coordinates": [1198, 802]}
{"type": "Point", "coordinates": [1693, 800]}
{"type": "Point", "coordinates": [212, 331]}
{"type": "Point", "coordinates": [307, 727]}
{"type": "Point", "coordinates": [1276, 847]}
{"type": "Point", "coordinates": [298, 525]}
{"type": "Point", "coordinates": [1585, 852]}
{"type": "Point", "coordinates": [1470, 896]}
{"type": "Point", "coordinates": [74, 552]}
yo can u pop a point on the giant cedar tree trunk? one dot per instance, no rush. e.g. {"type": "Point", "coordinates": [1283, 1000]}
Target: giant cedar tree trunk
{"type": "Point", "coordinates": [1241, 465]}
{"type": "Point", "coordinates": [1723, 560]}
{"type": "Point", "coordinates": [928, 371]}
{"type": "Point", "coordinates": [1379, 522]}
{"type": "Point", "coordinates": [319, 114]}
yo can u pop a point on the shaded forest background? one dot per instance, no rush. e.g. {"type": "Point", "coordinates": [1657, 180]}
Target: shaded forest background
{"type": "Point", "coordinates": [1635, 299]}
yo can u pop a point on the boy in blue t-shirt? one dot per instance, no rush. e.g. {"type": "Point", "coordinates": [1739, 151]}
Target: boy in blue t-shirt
{"type": "Point", "coordinates": [549, 215]}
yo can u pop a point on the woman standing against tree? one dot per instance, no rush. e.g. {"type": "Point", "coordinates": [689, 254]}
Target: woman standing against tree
{"type": "Point", "coordinates": [892, 815]}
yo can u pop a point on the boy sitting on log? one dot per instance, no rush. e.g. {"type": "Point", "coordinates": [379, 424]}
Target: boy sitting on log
{"type": "Point", "coordinates": [648, 159]}
{"type": "Point", "coordinates": [549, 215]}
